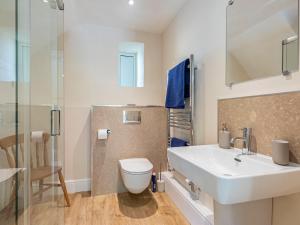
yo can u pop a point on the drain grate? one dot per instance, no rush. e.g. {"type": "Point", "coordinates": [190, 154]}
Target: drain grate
{"type": "Point", "coordinates": [227, 175]}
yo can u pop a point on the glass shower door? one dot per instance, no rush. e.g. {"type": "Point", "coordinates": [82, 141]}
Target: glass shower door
{"type": "Point", "coordinates": [46, 113]}
{"type": "Point", "coordinates": [8, 169]}
{"type": "Point", "coordinates": [31, 112]}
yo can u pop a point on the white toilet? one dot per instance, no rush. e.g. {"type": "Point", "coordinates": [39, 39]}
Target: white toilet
{"type": "Point", "coordinates": [136, 174]}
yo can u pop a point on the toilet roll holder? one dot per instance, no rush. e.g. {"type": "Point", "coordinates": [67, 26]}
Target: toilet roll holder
{"type": "Point", "coordinates": [108, 132]}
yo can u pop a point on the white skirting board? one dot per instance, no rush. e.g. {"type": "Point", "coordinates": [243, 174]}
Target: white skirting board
{"type": "Point", "coordinates": [194, 211]}
{"type": "Point", "coordinates": [80, 185]}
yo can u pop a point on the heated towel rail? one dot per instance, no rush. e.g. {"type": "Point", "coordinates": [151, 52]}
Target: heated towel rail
{"type": "Point", "coordinates": [183, 119]}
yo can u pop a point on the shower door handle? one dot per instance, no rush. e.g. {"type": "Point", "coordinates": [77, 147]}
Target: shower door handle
{"type": "Point", "coordinates": [55, 122]}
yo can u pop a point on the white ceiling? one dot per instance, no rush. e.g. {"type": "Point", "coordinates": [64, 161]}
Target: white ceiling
{"type": "Point", "coordinates": [146, 15]}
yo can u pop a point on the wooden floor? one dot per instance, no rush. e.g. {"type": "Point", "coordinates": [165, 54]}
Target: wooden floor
{"type": "Point", "coordinates": [113, 209]}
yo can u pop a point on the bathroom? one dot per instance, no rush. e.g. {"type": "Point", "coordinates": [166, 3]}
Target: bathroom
{"type": "Point", "coordinates": [70, 116]}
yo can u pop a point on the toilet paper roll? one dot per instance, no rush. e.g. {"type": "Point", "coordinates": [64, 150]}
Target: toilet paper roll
{"type": "Point", "coordinates": [102, 134]}
{"type": "Point", "coordinates": [37, 136]}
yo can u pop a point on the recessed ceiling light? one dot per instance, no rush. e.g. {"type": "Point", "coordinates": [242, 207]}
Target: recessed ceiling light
{"type": "Point", "coordinates": [46, 1]}
{"type": "Point", "coordinates": [131, 2]}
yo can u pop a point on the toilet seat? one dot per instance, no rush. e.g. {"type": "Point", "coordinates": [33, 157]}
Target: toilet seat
{"type": "Point", "coordinates": [136, 166]}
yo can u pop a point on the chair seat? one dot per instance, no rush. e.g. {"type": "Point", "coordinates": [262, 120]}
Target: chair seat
{"type": "Point", "coordinates": [43, 172]}
{"type": "Point", "coordinates": [10, 143]}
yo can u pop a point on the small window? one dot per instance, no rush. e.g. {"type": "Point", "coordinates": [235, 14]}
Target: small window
{"type": "Point", "coordinates": [128, 70]}
{"type": "Point", "coordinates": [131, 64]}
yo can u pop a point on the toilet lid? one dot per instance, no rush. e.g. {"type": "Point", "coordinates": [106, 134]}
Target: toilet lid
{"type": "Point", "coordinates": [136, 165]}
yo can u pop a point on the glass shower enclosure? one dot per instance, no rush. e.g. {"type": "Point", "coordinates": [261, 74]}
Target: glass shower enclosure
{"type": "Point", "coordinates": [31, 112]}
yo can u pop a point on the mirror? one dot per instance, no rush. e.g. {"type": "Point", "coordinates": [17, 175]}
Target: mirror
{"type": "Point", "coordinates": [262, 39]}
{"type": "Point", "coordinates": [131, 64]}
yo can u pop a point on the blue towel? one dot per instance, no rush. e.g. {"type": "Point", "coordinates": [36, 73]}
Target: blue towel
{"type": "Point", "coordinates": [175, 142]}
{"type": "Point", "coordinates": [178, 85]}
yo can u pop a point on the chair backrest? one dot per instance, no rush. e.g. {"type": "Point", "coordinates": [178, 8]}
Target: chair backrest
{"type": "Point", "coordinates": [39, 151]}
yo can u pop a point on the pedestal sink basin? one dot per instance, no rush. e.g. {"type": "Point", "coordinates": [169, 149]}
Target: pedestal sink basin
{"type": "Point", "coordinates": [228, 181]}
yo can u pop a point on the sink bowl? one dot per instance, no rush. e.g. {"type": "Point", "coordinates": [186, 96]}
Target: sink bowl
{"type": "Point", "coordinates": [6, 174]}
{"type": "Point", "coordinates": [216, 172]}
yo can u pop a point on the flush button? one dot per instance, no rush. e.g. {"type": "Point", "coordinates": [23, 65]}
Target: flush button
{"type": "Point", "coordinates": [132, 117]}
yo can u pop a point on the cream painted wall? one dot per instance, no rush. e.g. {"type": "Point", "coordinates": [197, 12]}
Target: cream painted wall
{"type": "Point", "coordinates": [200, 28]}
{"type": "Point", "coordinates": [91, 72]}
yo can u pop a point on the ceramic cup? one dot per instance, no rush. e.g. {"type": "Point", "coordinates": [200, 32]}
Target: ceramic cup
{"type": "Point", "coordinates": [280, 152]}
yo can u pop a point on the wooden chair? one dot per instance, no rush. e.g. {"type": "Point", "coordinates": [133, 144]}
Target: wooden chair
{"type": "Point", "coordinates": [40, 167]}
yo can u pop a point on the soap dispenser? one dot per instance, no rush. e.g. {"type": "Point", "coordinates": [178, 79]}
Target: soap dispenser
{"type": "Point", "coordinates": [224, 137]}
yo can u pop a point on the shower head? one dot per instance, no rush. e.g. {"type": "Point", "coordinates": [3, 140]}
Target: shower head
{"type": "Point", "coordinates": [60, 4]}
{"type": "Point", "coordinates": [56, 4]}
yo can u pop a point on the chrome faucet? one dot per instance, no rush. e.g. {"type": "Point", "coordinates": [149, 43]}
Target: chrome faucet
{"type": "Point", "coordinates": [247, 132]}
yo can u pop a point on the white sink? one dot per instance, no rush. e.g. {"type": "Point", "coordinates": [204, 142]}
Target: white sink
{"type": "Point", "coordinates": [6, 174]}
{"type": "Point", "coordinates": [216, 172]}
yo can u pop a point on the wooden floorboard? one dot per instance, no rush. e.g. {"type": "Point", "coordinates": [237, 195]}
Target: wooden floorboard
{"type": "Point", "coordinates": [112, 209]}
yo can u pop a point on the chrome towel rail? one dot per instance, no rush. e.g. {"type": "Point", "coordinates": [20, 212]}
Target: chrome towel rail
{"type": "Point", "coordinates": [183, 119]}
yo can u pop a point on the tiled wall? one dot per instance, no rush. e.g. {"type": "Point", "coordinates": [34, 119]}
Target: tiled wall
{"type": "Point", "coordinates": [146, 140]}
{"type": "Point", "coordinates": [271, 117]}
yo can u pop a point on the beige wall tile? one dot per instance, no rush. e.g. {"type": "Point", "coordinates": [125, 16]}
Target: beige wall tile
{"type": "Point", "coordinates": [146, 140]}
{"type": "Point", "coordinates": [271, 117]}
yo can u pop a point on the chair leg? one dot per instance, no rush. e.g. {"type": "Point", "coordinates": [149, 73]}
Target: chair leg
{"type": "Point", "coordinates": [63, 186]}
{"type": "Point", "coordinates": [41, 182]}
{"type": "Point", "coordinates": [31, 191]}
{"type": "Point", "coordinates": [11, 203]}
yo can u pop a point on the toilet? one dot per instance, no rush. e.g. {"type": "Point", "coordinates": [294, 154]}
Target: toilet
{"type": "Point", "coordinates": [136, 174]}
